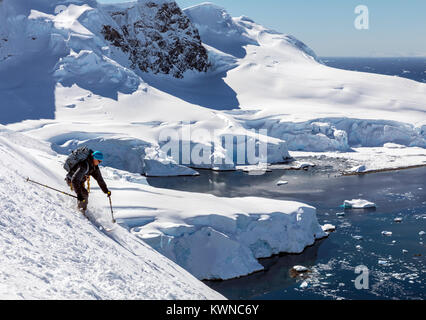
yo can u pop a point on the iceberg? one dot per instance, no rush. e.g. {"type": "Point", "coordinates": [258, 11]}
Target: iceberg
{"type": "Point", "coordinates": [358, 204]}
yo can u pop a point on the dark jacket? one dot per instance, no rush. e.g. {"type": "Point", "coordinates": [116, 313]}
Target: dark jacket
{"type": "Point", "coordinates": [83, 170]}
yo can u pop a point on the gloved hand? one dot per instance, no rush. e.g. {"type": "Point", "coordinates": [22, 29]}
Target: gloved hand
{"type": "Point", "coordinates": [80, 198]}
{"type": "Point", "coordinates": [109, 194]}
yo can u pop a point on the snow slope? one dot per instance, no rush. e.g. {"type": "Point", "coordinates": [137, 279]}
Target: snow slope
{"type": "Point", "coordinates": [279, 75]}
{"type": "Point", "coordinates": [49, 251]}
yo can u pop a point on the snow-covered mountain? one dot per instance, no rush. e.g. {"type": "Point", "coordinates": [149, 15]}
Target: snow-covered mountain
{"type": "Point", "coordinates": [153, 36]}
{"type": "Point", "coordinates": [89, 65]}
{"type": "Point", "coordinates": [230, 35]}
{"type": "Point", "coordinates": [115, 77]}
{"type": "Point", "coordinates": [99, 48]}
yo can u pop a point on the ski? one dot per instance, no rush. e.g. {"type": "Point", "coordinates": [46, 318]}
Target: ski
{"type": "Point", "coordinates": [96, 223]}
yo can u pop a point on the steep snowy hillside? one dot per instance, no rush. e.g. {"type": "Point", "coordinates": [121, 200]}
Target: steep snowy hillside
{"type": "Point", "coordinates": [49, 251]}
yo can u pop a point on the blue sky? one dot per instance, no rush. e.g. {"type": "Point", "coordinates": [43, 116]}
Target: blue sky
{"type": "Point", "coordinates": [397, 27]}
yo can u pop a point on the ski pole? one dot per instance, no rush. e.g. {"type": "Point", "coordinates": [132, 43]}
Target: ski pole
{"type": "Point", "coordinates": [67, 194]}
{"type": "Point", "coordinates": [112, 212]}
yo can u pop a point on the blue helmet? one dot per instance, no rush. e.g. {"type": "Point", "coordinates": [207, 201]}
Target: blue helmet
{"type": "Point", "coordinates": [98, 155]}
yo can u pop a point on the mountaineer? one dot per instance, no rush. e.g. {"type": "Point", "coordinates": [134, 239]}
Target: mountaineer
{"type": "Point", "coordinates": [80, 165]}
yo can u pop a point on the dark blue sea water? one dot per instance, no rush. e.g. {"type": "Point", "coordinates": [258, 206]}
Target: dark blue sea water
{"type": "Point", "coordinates": [410, 68]}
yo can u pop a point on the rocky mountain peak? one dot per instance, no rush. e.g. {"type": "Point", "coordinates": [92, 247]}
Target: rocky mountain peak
{"type": "Point", "coordinates": [157, 36]}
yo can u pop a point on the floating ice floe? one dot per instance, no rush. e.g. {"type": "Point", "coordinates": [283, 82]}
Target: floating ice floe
{"type": "Point", "coordinates": [282, 182]}
{"type": "Point", "coordinates": [340, 214]}
{"type": "Point", "coordinates": [302, 165]}
{"type": "Point", "coordinates": [255, 170]}
{"type": "Point", "coordinates": [300, 269]}
{"type": "Point", "coordinates": [357, 237]}
{"type": "Point", "coordinates": [422, 233]}
{"type": "Point", "coordinates": [397, 219]}
{"type": "Point", "coordinates": [357, 169]}
{"type": "Point", "coordinates": [358, 204]}
{"type": "Point", "coordinates": [383, 262]}
{"type": "Point", "coordinates": [328, 228]}
{"type": "Point", "coordinates": [304, 285]}
{"type": "Point", "coordinates": [404, 251]}
{"type": "Point", "coordinates": [387, 233]}
{"type": "Point", "coordinates": [358, 247]}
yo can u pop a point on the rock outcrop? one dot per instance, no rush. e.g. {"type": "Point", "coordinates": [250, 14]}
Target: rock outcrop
{"type": "Point", "coordinates": [157, 36]}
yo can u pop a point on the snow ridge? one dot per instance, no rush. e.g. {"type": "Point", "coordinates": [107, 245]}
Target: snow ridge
{"type": "Point", "coordinates": [231, 35]}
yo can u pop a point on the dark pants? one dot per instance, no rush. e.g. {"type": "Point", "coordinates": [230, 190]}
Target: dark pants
{"type": "Point", "coordinates": [82, 205]}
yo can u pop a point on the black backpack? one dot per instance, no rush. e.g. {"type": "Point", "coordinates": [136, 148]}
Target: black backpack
{"type": "Point", "coordinates": [77, 156]}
